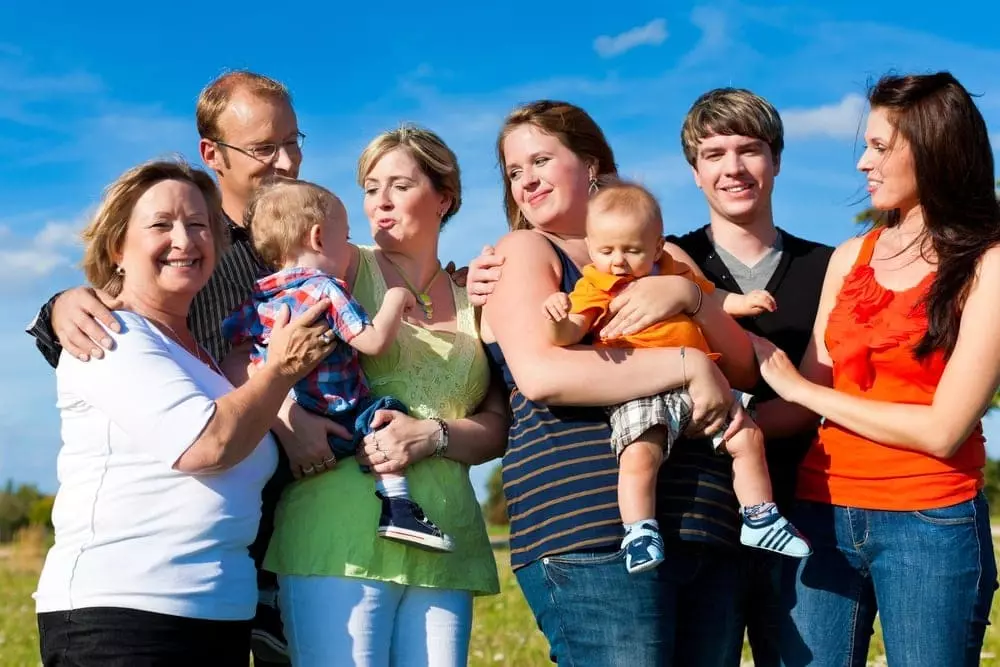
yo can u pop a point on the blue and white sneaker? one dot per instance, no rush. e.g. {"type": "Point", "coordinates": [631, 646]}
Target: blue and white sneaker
{"type": "Point", "coordinates": [643, 548]}
{"type": "Point", "coordinates": [774, 533]}
{"type": "Point", "coordinates": [402, 520]}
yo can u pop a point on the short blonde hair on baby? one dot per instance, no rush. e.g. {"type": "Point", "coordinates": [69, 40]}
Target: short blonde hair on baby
{"type": "Point", "coordinates": [619, 196]}
{"type": "Point", "coordinates": [281, 213]}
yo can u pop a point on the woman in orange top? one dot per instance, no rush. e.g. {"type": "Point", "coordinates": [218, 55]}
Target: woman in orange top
{"type": "Point", "coordinates": [904, 361]}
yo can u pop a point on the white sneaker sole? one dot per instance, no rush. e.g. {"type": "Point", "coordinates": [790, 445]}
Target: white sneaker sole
{"type": "Point", "coordinates": [429, 542]}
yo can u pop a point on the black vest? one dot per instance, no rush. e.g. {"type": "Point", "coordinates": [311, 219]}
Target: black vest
{"type": "Point", "coordinates": [796, 286]}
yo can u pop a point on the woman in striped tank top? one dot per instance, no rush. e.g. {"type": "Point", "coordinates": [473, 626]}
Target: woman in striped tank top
{"type": "Point", "coordinates": [904, 361]}
{"type": "Point", "coordinates": [559, 472]}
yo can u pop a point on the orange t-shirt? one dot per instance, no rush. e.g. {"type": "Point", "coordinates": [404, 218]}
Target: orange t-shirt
{"type": "Point", "coordinates": [595, 290]}
{"type": "Point", "coordinates": [870, 335]}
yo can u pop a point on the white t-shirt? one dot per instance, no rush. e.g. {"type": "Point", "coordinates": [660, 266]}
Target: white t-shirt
{"type": "Point", "coordinates": [131, 531]}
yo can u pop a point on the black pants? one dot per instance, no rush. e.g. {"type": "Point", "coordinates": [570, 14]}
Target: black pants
{"type": "Point", "coordinates": [116, 637]}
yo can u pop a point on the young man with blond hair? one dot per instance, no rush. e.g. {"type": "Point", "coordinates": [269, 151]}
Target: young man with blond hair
{"type": "Point", "coordinates": [248, 133]}
{"type": "Point", "coordinates": [733, 139]}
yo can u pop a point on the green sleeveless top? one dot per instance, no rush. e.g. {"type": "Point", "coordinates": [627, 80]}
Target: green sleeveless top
{"type": "Point", "coordinates": [325, 525]}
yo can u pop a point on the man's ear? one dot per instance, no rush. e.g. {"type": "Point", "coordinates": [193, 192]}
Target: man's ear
{"type": "Point", "coordinates": [212, 155]}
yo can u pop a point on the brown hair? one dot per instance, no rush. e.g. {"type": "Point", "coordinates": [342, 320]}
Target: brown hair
{"type": "Point", "coordinates": [216, 95]}
{"type": "Point", "coordinates": [104, 235]}
{"type": "Point", "coordinates": [280, 214]}
{"type": "Point", "coordinates": [572, 126]}
{"type": "Point", "coordinates": [437, 162]}
{"type": "Point", "coordinates": [732, 111]}
{"type": "Point", "coordinates": [627, 197]}
{"type": "Point", "coordinates": [953, 162]}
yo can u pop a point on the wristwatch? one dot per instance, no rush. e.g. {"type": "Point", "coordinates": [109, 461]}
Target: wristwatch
{"type": "Point", "coordinates": [441, 444]}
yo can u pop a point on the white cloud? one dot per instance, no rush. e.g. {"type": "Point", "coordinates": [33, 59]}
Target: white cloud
{"type": "Point", "coordinates": [995, 141]}
{"type": "Point", "coordinates": [52, 248]}
{"type": "Point", "coordinates": [840, 120]}
{"type": "Point", "coordinates": [651, 34]}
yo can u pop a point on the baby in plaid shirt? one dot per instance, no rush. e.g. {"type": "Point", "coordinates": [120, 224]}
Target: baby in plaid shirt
{"type": "Point", "coordinates": [300, 229]}
{"type": "Point", "coordinates": [625, 241]}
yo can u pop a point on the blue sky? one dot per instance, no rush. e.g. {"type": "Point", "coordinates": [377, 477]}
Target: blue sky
{"type": "Point", "coordinates": [87, 90]}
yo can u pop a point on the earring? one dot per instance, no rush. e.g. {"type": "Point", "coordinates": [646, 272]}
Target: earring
{"type": "Point", "coordinates": [593, 186]}
{"type": "Point", "coordinates": [119, 270]}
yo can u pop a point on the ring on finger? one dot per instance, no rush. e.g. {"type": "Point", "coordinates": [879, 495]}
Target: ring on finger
{"type": "Point", "coordinates": [309, 470]}
{"type": "Point", "coordinates": [330, 461]}
{"type": "Point", "coordinates": [327, 336]}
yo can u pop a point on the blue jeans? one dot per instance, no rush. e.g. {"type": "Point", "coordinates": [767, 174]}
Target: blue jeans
{"type": "Point", "coordinates": [594, 613]}
{"type": "Point", "coordinates": [759, 604]}
{"type": "Point", "coordinates": [700, 591]}
{"type": "Point", "coordinates": [930, 575]}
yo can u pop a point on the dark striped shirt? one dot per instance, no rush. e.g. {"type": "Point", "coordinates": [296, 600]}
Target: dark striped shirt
{"type": "Point", "coordinates": [229, 286]}
{"type": "Point", "coordinates": [560, 476]}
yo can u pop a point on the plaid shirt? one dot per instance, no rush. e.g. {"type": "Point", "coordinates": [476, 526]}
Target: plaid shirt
{"type": "Point", "coordinates": [337, 383]}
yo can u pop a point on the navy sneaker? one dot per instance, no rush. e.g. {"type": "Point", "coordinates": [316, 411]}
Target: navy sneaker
{"type": "Point", "coordinates": [267, 637]}
{"type": "Point", "coordinates": [403, 520]}
{"type": "Point", "coordinates": [643, 549]}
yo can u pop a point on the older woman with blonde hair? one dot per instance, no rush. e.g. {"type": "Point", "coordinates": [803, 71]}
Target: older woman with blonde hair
{"type": "Point", "coordinates": [162, 460]}
{"type": "Point", "coordinates": [347, 597]}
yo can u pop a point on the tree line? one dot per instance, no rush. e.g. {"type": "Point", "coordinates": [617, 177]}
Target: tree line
{"type": "Point", "coordinates": [21, 507]}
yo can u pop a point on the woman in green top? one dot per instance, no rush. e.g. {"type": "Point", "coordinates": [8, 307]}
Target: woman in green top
{"type": "Point", "coordinates": [348, 597]}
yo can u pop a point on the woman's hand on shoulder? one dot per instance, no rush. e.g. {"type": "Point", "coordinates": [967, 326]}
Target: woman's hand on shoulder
{"type": "Point", "coordinates": [397, 440]}
{"type": "Point", "coordinates": [482, 275]}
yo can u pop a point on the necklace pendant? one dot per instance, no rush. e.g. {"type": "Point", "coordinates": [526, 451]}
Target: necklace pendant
{"type": "Point", "coordinates": [425, 302]}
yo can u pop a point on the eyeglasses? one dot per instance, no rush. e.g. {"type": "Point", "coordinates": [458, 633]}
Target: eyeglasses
{"type": "Point", "coordinates": [267, 152]}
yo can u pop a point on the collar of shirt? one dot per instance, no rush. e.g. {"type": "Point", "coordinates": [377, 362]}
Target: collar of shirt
{"type": "Point", "coordinates": [292, 278]}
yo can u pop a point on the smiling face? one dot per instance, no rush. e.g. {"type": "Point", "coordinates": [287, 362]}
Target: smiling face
{"type": "Point", "coordinates": [888, 164]}
{"type": "Point", "coordinates": [548, 181]}
{"type": "Point", "coordinates": [168, 250]}
{"type": "Point", "coordinates": [400, 200]}
{"type": "Point", "coordinates": [251, 120]}
{"type": "Point", "coordinates": [736, 173]}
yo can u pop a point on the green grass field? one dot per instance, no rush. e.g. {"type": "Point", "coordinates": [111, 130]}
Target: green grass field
{"type": "Point", "coordinates": [504, 632]}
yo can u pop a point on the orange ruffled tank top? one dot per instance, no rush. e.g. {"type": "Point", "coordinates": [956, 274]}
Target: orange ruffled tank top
{"type": "Point", "coordinates": [871, 334]}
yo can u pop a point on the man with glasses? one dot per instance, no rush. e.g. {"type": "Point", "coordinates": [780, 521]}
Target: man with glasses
{"type": "Point", "coordinates": [249, 133]}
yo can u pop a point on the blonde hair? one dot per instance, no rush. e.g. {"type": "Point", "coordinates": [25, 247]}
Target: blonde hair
{"type": "Point", "coordinates": [626, 197]}
{"type": "Point", "coordinates": [437, 162]}
{"type": "Point", "coordinates": [732, 111]}
{"type": "Point", "coordinates": [280, 214]}
{"type": "Point", "coordinates": [572, 126]}
{"type": "Point", "coordinates": [216, 95]}
{"type": "Point", "coordinates": [105, 234]}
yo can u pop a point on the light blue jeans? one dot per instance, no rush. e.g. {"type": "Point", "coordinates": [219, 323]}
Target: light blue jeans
{"type": "Point", "coordinates": [368, 623]}
{"type": "Point", "coordinates": [930, 575]}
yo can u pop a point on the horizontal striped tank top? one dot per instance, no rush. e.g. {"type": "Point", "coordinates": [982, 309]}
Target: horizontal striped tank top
{"type": "Point", "coordinates": [559, 474]}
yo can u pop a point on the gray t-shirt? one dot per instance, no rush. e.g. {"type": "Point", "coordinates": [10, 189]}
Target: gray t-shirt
{"type": "Point", "coordinates": [753, 277]}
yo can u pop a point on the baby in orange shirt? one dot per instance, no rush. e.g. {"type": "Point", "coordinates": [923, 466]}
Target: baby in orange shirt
{"type": "Point", "coordinates": [625, 241]}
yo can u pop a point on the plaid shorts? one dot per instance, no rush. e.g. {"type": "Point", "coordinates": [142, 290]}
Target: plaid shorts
{"type": "Point", "coordinates": [630, 420]}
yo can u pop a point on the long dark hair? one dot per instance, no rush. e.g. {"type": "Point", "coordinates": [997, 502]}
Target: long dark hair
{"type": "Point", "coordinates": [954, 172]}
